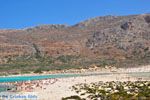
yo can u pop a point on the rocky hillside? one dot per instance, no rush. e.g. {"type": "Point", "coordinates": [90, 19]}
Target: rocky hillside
{"type": "Point", "coordinates": [111, 38]}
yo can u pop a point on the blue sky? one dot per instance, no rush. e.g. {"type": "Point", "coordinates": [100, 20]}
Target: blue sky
{"type": "Point", "coordinates": [26, 13]}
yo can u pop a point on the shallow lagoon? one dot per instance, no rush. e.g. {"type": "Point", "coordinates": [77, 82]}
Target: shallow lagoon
{"type": "Point", "coordinates": [37, 77]}
{"type": "Point", "coordinates": [145, 75]}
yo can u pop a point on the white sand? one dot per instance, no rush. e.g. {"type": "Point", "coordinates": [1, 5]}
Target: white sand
{"type": "Point", "coordinates": [62, 88]}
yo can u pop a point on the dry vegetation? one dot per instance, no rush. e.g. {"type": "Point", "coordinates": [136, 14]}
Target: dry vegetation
{"type": "Point", "coordinates": [119, 40]}
{"type": "Point", "coordinates": [138, 90]}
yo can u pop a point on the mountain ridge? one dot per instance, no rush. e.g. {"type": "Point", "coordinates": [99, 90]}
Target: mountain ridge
{"type": "Point", "coordinates": [117, 38]}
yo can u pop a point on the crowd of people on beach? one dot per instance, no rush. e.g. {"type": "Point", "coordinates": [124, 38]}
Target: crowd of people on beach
{"type": "Point", "coordinates": [28, 86]}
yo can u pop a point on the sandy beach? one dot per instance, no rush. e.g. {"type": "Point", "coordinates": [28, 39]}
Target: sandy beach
{"type": "Point", "coordinates": [55, 89]}
{"type": "Point", "coordinates": [62, 88]}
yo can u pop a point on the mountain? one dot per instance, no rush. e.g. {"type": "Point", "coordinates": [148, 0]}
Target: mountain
{"type": "Point", "coordinates": [119, 40]}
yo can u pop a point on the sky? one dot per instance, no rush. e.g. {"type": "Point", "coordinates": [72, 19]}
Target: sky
{"type": "Point", "coordinates": [16, 14]}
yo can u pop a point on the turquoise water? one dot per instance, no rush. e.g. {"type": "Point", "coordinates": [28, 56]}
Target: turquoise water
{"type": "Point", "coordinates": [140, 74]}
{"type": "Point", "coordinates": [39, 77]}
{"type": "Point", "coordinates": [26, 78]}
{"type": "Point", "coordinates": [5, 87]}
{"type": "Point", "coordinates": [2, 89]}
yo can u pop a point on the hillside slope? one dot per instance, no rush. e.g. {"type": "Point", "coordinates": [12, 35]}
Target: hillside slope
{"type": "Point", "coordinates": [119, 40]}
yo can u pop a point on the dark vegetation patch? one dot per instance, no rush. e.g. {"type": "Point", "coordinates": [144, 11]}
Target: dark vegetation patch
{"type": "Point", "coordinates": [138, 90]}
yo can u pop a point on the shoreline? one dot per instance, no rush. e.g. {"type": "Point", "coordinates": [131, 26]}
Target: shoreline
{"type": "Point", "coordinates": [107, 69]}
{"type": "Point", "coordinates": [50, 88]}
{"type": "Point", "coordinates": [47, 89]}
